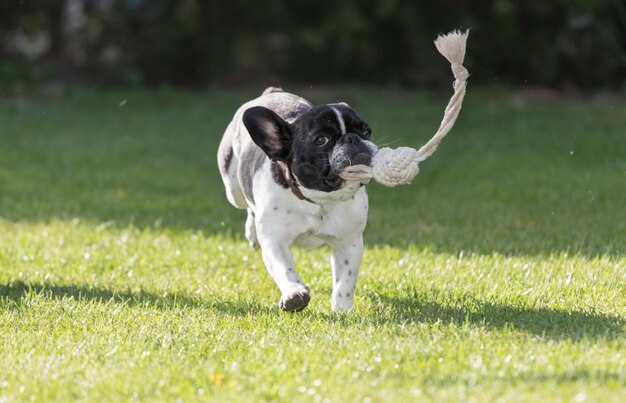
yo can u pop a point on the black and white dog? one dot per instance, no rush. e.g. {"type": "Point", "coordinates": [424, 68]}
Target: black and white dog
{"type": "Point", "coordinates": [280, 159]}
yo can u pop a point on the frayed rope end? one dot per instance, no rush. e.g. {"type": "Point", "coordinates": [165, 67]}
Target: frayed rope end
{"type": "Point", "coordinates": [452, 46]}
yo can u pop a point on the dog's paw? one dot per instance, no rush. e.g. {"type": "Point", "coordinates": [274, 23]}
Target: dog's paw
{"type": "Point", "coordinates": [295, 301]}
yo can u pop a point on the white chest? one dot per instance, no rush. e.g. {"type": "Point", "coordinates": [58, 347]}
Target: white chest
{"type": "Point", "coordinates": [330, 226]}
{"type": "Point", "coordinates": [312, 225]}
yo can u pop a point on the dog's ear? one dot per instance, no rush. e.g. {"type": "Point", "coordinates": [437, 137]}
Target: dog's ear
{"type": "Point", "coordinates": [268, 131]}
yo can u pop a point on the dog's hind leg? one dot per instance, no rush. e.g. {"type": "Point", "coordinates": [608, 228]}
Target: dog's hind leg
{"type": "Point", "coordinates": [228, 161]}
{"type": "Point", "coordinates": [251, 230]}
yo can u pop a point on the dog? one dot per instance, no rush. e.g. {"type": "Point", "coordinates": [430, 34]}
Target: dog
{"type": "Point", "coordinates": [280, 158]}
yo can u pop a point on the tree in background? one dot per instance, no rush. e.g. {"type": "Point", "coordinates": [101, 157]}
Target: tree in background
{"type": "Point", "coordinates": [201, 42]}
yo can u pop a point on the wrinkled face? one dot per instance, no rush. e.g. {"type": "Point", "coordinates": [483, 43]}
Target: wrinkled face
{"type": "Point", "coordinates": [327, 139]}
{"type": "Point", "coordinates": [318, 145]}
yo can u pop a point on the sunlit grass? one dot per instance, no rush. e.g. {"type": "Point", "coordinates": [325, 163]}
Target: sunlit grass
{"type": "Point", "coordinates": [500, 273]}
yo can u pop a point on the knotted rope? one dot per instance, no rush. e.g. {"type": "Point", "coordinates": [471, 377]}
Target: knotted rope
{"type": "Point", "coordinates": [392, 167]}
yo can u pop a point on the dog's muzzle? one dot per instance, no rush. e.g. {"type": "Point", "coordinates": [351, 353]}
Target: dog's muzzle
{"type": "Point", "coordinates": [351, 150]}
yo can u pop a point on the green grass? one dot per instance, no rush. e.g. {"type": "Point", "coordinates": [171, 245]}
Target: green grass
{"type": "Point", "coordinates": [498, 274]}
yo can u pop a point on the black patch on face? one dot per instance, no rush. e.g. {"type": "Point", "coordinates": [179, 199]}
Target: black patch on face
{"type": "Point", "coordinates": [298, 143]}
{"type": "Point", "coordinates": [309, 161]}
{"type": "Point", "coordinates": [354, 124]}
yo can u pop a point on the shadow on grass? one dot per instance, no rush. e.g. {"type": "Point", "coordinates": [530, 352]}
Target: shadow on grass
{"type": "Point", "coordinates": [18, 292]}
{"type": "Point", "coordinates": [539, 321]}
{"type": "Point", "coordinates": [389, 310]}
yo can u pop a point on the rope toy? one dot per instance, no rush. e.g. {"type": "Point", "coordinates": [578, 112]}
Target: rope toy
{"type": "Point", "coordinates": [392, 167]}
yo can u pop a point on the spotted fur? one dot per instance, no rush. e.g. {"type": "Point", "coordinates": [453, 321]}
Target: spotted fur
{"type": "Point", "coordinates": [282, 126]}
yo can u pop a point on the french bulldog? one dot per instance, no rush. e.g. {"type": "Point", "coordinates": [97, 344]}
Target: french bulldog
{"type": "Point", "coordinates": [280, 159]}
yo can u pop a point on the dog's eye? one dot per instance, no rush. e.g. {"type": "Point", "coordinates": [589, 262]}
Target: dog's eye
{"type": "Point", "coordinates": [320, 141]}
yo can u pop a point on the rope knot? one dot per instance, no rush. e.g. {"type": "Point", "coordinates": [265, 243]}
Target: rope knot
{"type": "Point", "coordinates": [459, 71]}
{"type": "Point", "coordinates": [395, 167]}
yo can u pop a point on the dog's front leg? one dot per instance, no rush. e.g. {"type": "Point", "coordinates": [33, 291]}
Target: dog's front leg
{"type": "Point", "coordinates": [295, 295]}
{"type": "Point", "coordinates": [346, 262]}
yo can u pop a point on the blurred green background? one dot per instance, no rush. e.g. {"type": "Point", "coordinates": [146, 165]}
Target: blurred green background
{"type": "Point", "coordinates": [569, 45]}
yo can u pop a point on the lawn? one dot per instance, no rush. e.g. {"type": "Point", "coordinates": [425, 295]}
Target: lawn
{"type": "Point", "coordinates": [500, 273]}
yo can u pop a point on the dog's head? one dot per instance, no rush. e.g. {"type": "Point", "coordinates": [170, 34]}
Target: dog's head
{"type": "Point", "coordinates": [317, 146]}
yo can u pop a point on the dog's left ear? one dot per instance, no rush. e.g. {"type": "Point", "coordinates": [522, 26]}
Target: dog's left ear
{"type": "Point", "coordinates": [268, 131]}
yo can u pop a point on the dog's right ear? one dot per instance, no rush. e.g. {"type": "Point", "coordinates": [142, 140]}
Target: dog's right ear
{"type": "Point", "coordinates": [268, 131]}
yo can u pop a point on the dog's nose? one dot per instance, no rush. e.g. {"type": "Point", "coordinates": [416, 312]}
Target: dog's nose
{"type": "Point", "coordinates": [349, 138]}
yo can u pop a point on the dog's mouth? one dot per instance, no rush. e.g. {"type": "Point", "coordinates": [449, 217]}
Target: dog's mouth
{"type": "Point", "coordinates": [333, 180]}
{"type": "Point", "coordinates": [359, 158]}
